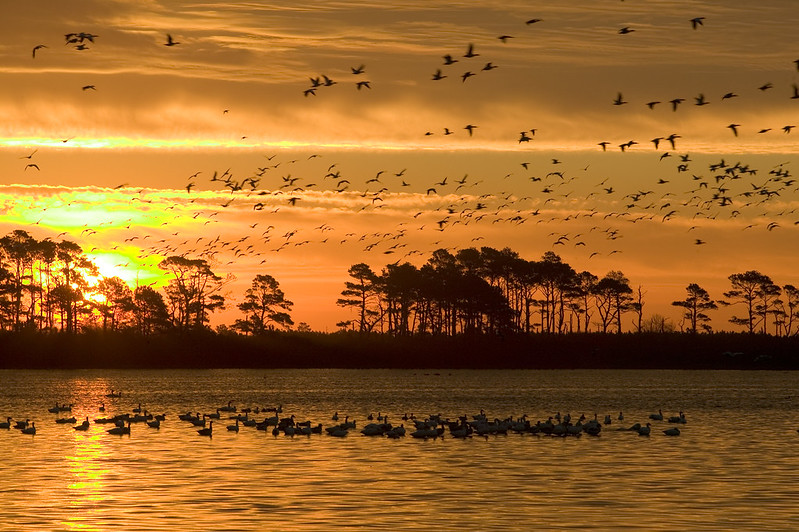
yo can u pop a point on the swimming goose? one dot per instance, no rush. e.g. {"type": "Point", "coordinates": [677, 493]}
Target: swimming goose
{"type": "Point", "coordinates": [82, 426]}
{"type": "Point", "coordinates": [208, 430]}
{"type": "Point", "coordinates": [644, 431]}
{"type": "Point", "coordinates": [674, 431]}
{"type": "Point", "coordinates": [120, 429]}
{"type": "Point", "coordinates": [658, 416]}
{"type": "Point", "coordinates": [678, 419]}
{"type": "Point", "coordinates": [7, 424]}
{"type": "Point", "coordinates": [30, 430]}
{"type": "Point", "coordinates": [234, 428]}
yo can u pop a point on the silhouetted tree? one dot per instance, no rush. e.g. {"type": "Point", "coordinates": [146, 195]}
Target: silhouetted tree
{"type": "Point", "coordinates": [18, 251]}
{"type": "Point", "coordinates": [264, 306]}
{"type": "Point", "coordinates": [697, 301]}
{"type": "Point", "coordinates": [74, 268]}
{"type": "Point", "coordinates": [790, 308]}
{"type": "Point", "coordinates": [612, 299]}
{"type": "Point", "coordinates": [745, 290]}
{"type": "Point", "coordinates": [149, 311]}
{"type": "Point", "coordinates": [116, 303]}
{"type": "Point", "coordinates": [361, 294]}
{"type": "Point", "coordinates": [192, 293]}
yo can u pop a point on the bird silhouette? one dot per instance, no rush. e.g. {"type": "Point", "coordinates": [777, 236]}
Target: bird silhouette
{"type": "Point", "coordinates": [170, 41]}
{"type": "Point", "coordinates": [37, 47]}
{"type": "Point", "coordinates": [696, 22]}
{"type": "Point", "coordinates": [470, 52]}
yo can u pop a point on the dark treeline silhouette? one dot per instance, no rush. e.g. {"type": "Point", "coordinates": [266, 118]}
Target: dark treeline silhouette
{"type": "Point", "coordinates": [495, 292]}
{"type": "Point", "coordinates": [48, 285]}
{"type": "Point", "coordinates": [475, 308]}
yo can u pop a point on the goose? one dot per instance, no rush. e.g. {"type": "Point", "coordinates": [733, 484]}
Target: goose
{"type": "Point", "coordinates": [155, 424]}
{"type": "Point", "coordinates": [137, 410]}
{"type": "Point", "coordinates": [674, 431]}
{"type": "Point", "coordinates": [644, 431]}
{"type": "Point", "coordinates": [82, 426]}
{"type": "Point", "coordinates": [55, 410]}
{"type": "Point", "coordinates": [208, 431]}
{"type": "Point", "coordinates": [657, 417]}
{"type": "Point", "coordinates": [102, 407]}
{"type": "Point", "coordinates": [339, 432]}
{"type": "Point", "coordinates": [6, 424]}
{"type": "Point", "coordinates": [30, 430]}
{"type": "Point", "coordinates": [621, 417]}
{"type": "Point", "coordinates": [120, 429]}
{"type": "Point", "coordinates": [678, 419]}
{"type": "Point", "coordinates": [65, 420]}
{"type": "Point", "coordinates": [635, 427]}
{"type": "Point", "coordinates": [607, 419]}
{"type": "Point", "coordinates": [21, 424]}
{"type": "Point", "coordinates": [234, 428]}
{"type": "Point", "coordinates": [228, 408]}
{"type": "Point", "coordinates": [335, 417]}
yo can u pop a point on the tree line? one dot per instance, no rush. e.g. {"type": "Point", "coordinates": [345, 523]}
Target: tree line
{"type": "Point", "coordinates": [53, 286]}
{"type": "Point", "coordinates": [48, 285]}
{"type": "Point", "coordinates": [494, 291]}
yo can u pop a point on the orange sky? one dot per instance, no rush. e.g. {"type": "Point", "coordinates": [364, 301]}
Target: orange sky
{"type": "Point", "coordinates": [230, 96]}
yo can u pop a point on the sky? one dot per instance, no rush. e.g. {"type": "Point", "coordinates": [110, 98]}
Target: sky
{"type": "Point", "coordinates": [113, 139]}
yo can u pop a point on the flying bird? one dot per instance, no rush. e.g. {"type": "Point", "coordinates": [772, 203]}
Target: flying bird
{"type": "Point", "coordinates": [625, 30]}
{"type": "Point", "coordinates": [170, 41]}
{"type": "Point", "coordinates": [358, 70]}
{"type": "Point", "coordinates": [697, 21]}
{"type": "Point", "coordinates": [37, 47]}
{"type": "Point", "coordinates": [437, 76]}
{"type": "Point", "coordinates": [470, 52]}
{"type": "Point", "coordinates": [88, 87]}
{"type": "Point", "coordinates": [448, 60]}
{"type": "Point", "coordinates": [619, 100]}
{"type": "Point", "coordinates": [533, 21]}
{"type": "Point", "coordinates": [469, 128]}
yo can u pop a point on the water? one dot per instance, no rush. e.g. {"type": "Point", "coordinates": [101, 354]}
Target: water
{"type": "Point", "coordinates": [733, 466]}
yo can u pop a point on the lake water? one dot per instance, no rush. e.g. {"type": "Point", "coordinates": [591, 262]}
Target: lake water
{"type": "Point", "coordinates": [735, 465]}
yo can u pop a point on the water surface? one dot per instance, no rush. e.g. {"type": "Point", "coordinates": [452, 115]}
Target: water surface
{"type": "Point", "coordinates": [733, 466]}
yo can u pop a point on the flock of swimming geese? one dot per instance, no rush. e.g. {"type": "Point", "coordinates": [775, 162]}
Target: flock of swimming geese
{"type": "Point", "coordinates": [433, 426]}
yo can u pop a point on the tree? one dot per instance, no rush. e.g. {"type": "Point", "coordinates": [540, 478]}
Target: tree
{"type": "Point", "coordinates": [149, 311]}
{"type": "Point", "coordinates": [361, 294]}
{"type": "Point", "coordinates": [192, 293]}
{"type": "Point", "coordinates": [265, 306]}
{"type": "Point", "coordinates": [745, 291]}
{"type": "Point", "coordinates": [612, 295]}
{"type": "Point", "coordinates": [17, 248]}
{"type": "Point", "coordinates": [790, 309]}
{"type": "Point", "coordinates": [74, 268]}
{"type": "Point", "coordinates": [117, 301]}
{"type": "Point", "coordinates": [697, 301]}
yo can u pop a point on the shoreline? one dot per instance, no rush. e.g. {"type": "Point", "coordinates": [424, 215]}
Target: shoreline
{"type": "Point", "coordinates": [283, 350]}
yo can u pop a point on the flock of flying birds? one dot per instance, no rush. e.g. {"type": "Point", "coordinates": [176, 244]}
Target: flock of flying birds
{"type": "Point", "coordinates": [688, 187]}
